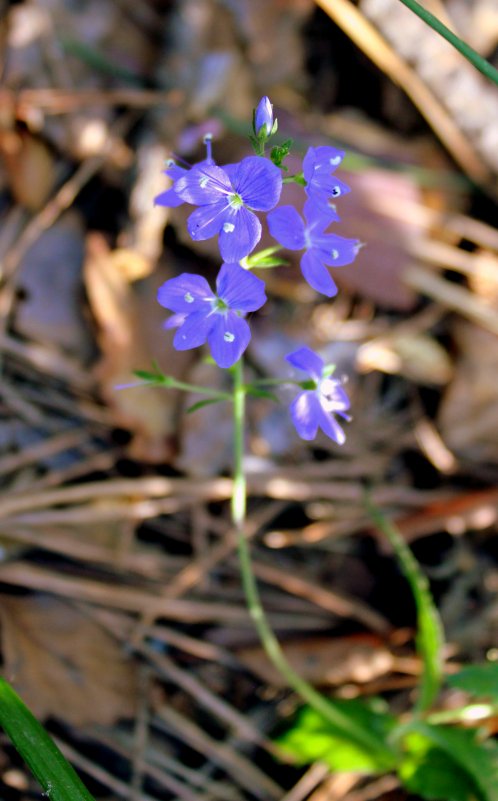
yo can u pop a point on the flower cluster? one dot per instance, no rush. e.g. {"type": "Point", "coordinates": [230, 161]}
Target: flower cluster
{"type": "Point", "coordinates": [227, 201]}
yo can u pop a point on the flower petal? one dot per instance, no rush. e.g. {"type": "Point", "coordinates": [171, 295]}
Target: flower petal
{"type": "Point", "coordinates": [316, 274]}
{"type": "Point", "coordinates": [206, 221]}
{"type": "Point", "coordinates": [240, 233]}
{"type": "Point", "coordinates": [185, 294]}
{"type": "Point", "coordinates": [228, 338]}
{"type": "Point", "coordinates": [168, 198]}
{"type": "Point", "coordinates": [258, 181]}
{"type": "Point", "coordinates": [194, 331]}
{"type": "Point", "coordinates": [203, 184]}
{"type": "Point", "coordinates": [330, 426]}
{"type": "Point", "coordinates": [175, 321]}
{"type": "Point", "coordinates": [305, 413]}
{"type": "Point", "coordinates": [287, 227]}
{"type": "Point", "coordinates": [307, 360]}
{"type": "Point", "coordinates": [318, 218]}
{"type": "Point", "coordinates": [240, 289]}
{"type": "Point", "coordinates": [334, 250]}
{"type": "Point", "coordinates": [327, 158]}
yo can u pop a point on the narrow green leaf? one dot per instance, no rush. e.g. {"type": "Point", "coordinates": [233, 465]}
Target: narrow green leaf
{"type": "Point", "coordinates": [200, 404]}
{"type": "Point", "coordinates": [262, 393]}
{"type": "Point", "coordinates": [480, 681]}
{"type": "Point", "coordinates": [430, 637]}
{"type": "Point", "coordinates": [57, 777]}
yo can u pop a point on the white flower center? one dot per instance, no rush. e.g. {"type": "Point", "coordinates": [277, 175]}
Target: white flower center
{"type": "Point", "coordinates": [327, 393]}
{"type": "Point", "coordinates": [188, 298]}
{"type": "Point", "coordinates": [228, 336]}
{"type": "Point", "coordinates": [204, 181]}
{"type": "Point", "coordinates": [335, 161]}
{"type": "Point", "coordinates": [228, 227]}
{"type": "Point", "coordinates": [334, 254]}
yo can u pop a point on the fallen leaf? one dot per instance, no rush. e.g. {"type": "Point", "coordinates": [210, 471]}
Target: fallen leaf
{"type": "Point", "coordinates": [130, 337]}
{"type": "Point", "coordinates": [63, 664]}
{"type": "Point", "coordinates": [325, 661]}
{"type": "Point", "coordinates": [468, 414]}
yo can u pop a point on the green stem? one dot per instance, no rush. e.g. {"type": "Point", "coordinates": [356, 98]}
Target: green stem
{"type": "Point", "coordinates": [468, 52]}
{"type": "Point", "coordinates": [172, 383]}
{"type": "Point", "coordinates": [270, 643]}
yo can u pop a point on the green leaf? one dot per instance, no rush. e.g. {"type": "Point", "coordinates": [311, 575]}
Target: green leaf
{"type": "Point", "coordinates": [201, 403]}
{"type": "Point", "coordinates": [311, 738]}
{"type": "Point", "coordinates": [480, 681]}
{"type": "Point", "coordinates": [57, 777]}
{"type": "Point", "coordinates": [262, 393]}
{"type": "Point", "coordinates": [280, 152]}
{"type": "Point", "coordinates": [432, 774]}
{"type": "Point", "coordinates": [478, 760]}
{"type": "Point", "coordinates": [430, 636]}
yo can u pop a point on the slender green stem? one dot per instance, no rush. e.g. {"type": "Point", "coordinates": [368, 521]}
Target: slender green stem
{"type": "Point", "coordinates": [184, 387]}
{"type": "Point", "coordinates": [270, 643]}
{"type": "Point", "coordinates": [470, 54]}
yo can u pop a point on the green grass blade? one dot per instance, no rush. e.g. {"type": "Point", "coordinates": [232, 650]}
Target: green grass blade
{"type": "Point", "coordinates": [430, 637]}
{"type": "Point", "coordinates": [466, 50]}
{"type": "Point", "coordinates": [56, 776]}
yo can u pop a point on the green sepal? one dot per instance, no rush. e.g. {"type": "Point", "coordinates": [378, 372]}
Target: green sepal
{"type": "Point", "coordinates": [328, 370]}
{"type": "Point", "coordinates": [59, 780]}
{"type": "Point", "coordinates": [264, 259]}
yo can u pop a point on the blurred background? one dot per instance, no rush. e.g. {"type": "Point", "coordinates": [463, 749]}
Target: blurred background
{"type": "Point", "coordinates": [123, 622]}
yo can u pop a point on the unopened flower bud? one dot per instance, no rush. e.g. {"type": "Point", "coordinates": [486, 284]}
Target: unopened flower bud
{"type": "Point", "coordinates": [263, 118]}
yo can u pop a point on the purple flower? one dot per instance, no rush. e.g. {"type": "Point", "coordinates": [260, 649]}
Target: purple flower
{"type": "Point", "coordinates": [218, 318]}
{"type": "Point", "coordinates": [315, 408]}
{"type": "Point", "coordinates": [263, 118]}
{"type": "Point", "coordinates": [227, 198]}
{"type": "Point", "coordinates": [170, 198]}
{"type": "Point", "coordinates": [321, 186]}
{"type": "Point", "coordinates": [288, 228]}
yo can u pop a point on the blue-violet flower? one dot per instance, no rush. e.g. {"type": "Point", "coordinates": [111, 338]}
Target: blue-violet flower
{"type": "Point", "coordinates": [174, 171]}
{"type": "Point", "coordinates": [216, 317]}
{"type": "Point", "coordinates": [288, 228]}
{"type": "Point", "coordinates": [315, 408]}
{"type": "Point", "coordinates": [227, 197]}
{"type": "Point", "coordinates": [263, 118]}
{"type": "Point", "coordinates": [321, 186]}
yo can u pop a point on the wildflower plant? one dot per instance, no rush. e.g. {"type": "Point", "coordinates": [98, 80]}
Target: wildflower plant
{"type": "Point", "coordinates": [431, 755]}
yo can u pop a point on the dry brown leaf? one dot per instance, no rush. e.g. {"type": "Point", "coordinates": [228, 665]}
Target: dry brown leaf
{"type": "Point", "coordinates": [30, 167]}
{"type": "Point", "coordinates": [416, 355]}
{"type": "Point", "coordinates": [50, 280]}
{"type": "Point", "coordinates": [320, 660]}
{"type": "Point", "coordinates": [468, 418]}
{"type": "Point", "coordinates": [130, 336]}
{"type": "Point", "coordinates": [64, 664]}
